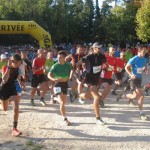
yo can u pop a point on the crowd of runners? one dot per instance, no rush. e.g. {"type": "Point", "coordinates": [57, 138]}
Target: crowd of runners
{"type": "Point", "coordinates": [88, 68]}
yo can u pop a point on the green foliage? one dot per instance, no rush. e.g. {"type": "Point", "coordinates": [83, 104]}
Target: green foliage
{"type": "Point", "coordinates": [75, 20]}
{"type": "Point", "coordinates": [143, 21]}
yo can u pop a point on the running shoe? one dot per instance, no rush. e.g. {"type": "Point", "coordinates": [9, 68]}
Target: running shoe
{"type": "Point", "coordinates": [100, 122]}
{"type": "Point", "coordinates": [32, 103]}
{"type": "Point", "coordinates": [43, 102]}
{"type": "Point", "coordinates": [143, 116]}
{"type": "Point", "coordinates": [16, 132]}
{"type": "Point", "coordinates": [81, 101]}
{"type": "Point", "coordinates": [113, 93]}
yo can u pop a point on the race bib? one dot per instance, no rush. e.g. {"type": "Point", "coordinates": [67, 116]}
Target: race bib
{"type": "Point", "coordinates": [119, 69]}
{"type": "Point", "coordinates": [57, 90]}
{"type": "Point", "coordinates": [110, 68]}
{"type": "Point", "coordinates": [140, 70]}
{"type": "Point", "coordinates": [96, 69]}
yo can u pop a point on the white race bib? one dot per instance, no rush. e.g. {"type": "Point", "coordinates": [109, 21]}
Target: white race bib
{"type": "Point", "coordinates": [110, 68]}
{"type": "Point", "coordinates": [96, 69]}
{"type": "Point", "coordinates": [119, 69]}
{"type": "Point", "coordinates": [140, 70]}
{"type": "Point", "coordinates": [57, 90]}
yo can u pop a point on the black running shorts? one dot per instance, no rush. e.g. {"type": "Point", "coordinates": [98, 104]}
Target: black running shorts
{"type": "Point", "coordinates": [136, 83]}
{"type": "Point", "coordinates": [7, 92]}
{"type": "Point", "coordinates": [109, 81]}
{"type": "Point", "coordinates": [63, 86]}
{"type": "Point", "coordinates": [119, 76]}
{"type": "Point", "coordinates": [38, 79]}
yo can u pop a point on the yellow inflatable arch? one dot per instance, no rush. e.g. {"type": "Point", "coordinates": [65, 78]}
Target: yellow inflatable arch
{"type": "Point", "coordinates": [27, 27]}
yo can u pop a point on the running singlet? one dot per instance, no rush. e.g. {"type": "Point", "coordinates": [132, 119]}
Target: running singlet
{"type": "Point", "coordinates": [120, 64]}
{"type": "Point", "coordinates": [61, 71]}
{"type": "Point", "coordinates": [14, 72]}
{"type": "Point", "coordinates": [111, 61]}
{"type": "Point", "coordinates": [94, 64]}
{"type": "Point", "coordinates": [138, 65]}
{"type": "Point", "coordinates": [39, 63]}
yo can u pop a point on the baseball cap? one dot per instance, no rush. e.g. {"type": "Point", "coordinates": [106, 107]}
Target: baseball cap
{"type": "Point", "coordinates": [3, 56]}
{"type": "Point", "coordinates": [96, 45]}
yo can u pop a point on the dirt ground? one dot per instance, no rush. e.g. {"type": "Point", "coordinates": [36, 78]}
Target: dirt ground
{"type": "Point", "coordinates": [43, 129]}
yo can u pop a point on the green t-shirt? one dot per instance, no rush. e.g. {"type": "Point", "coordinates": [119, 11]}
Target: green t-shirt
{"type": "Point", "coordinates": [61, 71]}
{"type": "Point", "coordinates": [128, 56]}
{"type": "Point", "coordinates": [49, 64]}
{"type": "Point", "coordinates": [1, 65]}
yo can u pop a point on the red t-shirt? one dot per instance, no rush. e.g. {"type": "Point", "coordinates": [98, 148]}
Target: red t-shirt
{"type": "Point", "coordinates": [39, 63]}
{"type": "Point", "coordinates": [111, 61]}
{"type": "Point", "coordinates": [120, 64]}
{"type": "Point", "coordinates": [4, 69]}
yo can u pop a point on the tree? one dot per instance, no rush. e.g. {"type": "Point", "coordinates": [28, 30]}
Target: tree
{"type": "Point", "coordinates": [143, 21]}
{"type": "Point", "coordinates": [120, 25]}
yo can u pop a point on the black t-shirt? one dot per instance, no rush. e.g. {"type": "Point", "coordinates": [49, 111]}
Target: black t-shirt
{"type": "Point", "coordinates": [94, 63]}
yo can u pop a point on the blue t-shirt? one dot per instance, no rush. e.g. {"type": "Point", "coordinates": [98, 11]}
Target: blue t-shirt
{"type": "Point", "coordinates": [117, 53]}
{"type": "Point", "coordinates": [138, 65]}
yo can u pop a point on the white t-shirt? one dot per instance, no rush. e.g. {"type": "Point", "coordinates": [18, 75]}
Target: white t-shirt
{"type": "Point", "coordinates": [22, 68]}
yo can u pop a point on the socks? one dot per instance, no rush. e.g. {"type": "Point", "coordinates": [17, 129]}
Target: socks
{"type": "Point", "coordinates": [15, 125]}
{"type": "Point", "coordinates": [97, 118]}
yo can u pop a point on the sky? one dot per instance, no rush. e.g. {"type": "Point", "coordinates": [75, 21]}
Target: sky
{"type": "Point", "coordinates": [100, 2]}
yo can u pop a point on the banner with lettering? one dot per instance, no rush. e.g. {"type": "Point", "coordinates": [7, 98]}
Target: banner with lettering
{"type": "Point", "coordinates": [27, 27]}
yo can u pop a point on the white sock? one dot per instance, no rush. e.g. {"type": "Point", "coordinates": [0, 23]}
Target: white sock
{"type": "Point", "coordinates": [141, 112]}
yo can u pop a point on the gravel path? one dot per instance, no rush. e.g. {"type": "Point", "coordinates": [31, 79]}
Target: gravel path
{"type": "Point", "coordinates": [43, 128]}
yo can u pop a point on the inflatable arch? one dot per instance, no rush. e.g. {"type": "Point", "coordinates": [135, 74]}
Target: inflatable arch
{"type": "Point", "coordinates": [27, 27]}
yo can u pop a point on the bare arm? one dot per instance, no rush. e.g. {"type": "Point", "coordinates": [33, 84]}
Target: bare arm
{"type": "Point", "coordinates": [129, 71]}
{"type": "Point", "coordinates": [6, 75]}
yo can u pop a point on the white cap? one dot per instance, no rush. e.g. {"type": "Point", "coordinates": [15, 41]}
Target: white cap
{"type": "Point", "coordinates": [6, 53]}
{"type": "Point", "coordinates": [96, 45]}
{"type": "Point", "coordinates": [3, 56]}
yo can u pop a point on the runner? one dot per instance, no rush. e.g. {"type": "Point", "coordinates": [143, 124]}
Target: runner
{"type": "Point", "coordinates": [60, 73]}
{"type": "Point", "coordinates": [75, 58]}
{"type": "Point", "coordinates": [119, 72]}
{"type": "Point", "coordinates": [49, 63]}
{"type": "Point", "coordinates": [107, 76]}
{"type": "Point", "coordinates": [39, 77]}
{"type": "Point", "coordinates": [90, 78]}
{"type": "Point", "coordinates": [135, 67]}
{"type": "Point", "coordinates": [8, 91]}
